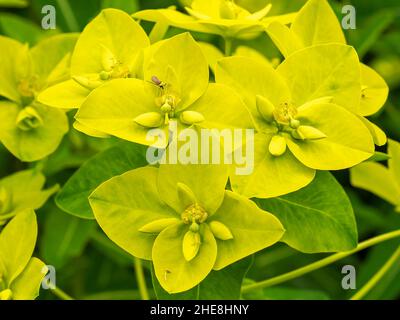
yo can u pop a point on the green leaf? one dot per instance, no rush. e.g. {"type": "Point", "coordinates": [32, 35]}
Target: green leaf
{"type": "Point", "coordinates": [128, 6]}
{"type": "Point", "coordinates": [73, 197]}
{"type": "Point", "coordinates": [17, 241]}
{"type": "Point", "coordinates": [14, 3]}
{"type": "Point", "coordinates": [20, 29]}
{"type": "Point", "coordinates": [379, 156]}
{"type": "Point", "coordinates": [63, 236]}
{"type": "Point", "coordinates": [225, 284]}
{"type": "Point", "coordinates": [318, 218]}
{"type": "Point", "coordinates": [370, 32]}
{"type": "Point", "coordinates": [327, 70]}
{"type": "Point", "coordinates": [252, 228]}
{"type": "Point", "coordinates": [285, 293]}
{"type": "Point", "coordinates": [27, 285]}
{"type": "Point", "coordinates": [394, 162]}
{"type": "Point", "coordinates": [124, 204]}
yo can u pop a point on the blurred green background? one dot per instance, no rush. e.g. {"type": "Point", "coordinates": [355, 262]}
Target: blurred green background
{"type": "Point", "coordinates": [90, 266]}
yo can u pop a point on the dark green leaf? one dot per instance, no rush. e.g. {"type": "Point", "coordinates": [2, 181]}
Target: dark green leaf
{"type": "Point", "coordinates": [73, 197]}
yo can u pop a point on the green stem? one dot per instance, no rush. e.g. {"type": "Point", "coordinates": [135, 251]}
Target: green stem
{"type": "Point", "coordinates": [141, 279]}
{"type": "Point", "coordinates": [321, 263]}
{"type": "Point", "coordinates": [69, 16]}
{"type": "Point", "coordinates": [61, 294]}
{"type": "Point", "coordinates": [228, 46]}
{"type": "Point", "coordinates": [377, 276]}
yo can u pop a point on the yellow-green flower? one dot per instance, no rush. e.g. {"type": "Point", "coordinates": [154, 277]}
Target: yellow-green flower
{"type": "Point", "coordinates": [182, 218]}
{"type": "Point", "coordinates": [380, 180]}
{"type": "Point", "coordinates": [302, 125]}
{"type": "Point", "coordinates": [29, 129]}
{"type": "Point", "coordinates": [108, 48]}
{"type": "Point", "coordinates": [222, 17]}
{"type": "Point", "coordinates": [316, 23]}
{"type": "Point", "coordinates": [175, 88]}
{"type": "Point", "coordinates": [21, 191]}
{"type": "Point", "coordinates": [20, 274]}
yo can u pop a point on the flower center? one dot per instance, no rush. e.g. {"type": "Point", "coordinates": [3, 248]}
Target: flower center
{"type": "Point", "coordinates": [28, 88]}
{"type": "Point", "coordinates": [167, 99]}
{"type": "Point", "coordinates": [194, 214]}
{"type": "Point", "coordinates": [284, 113]}
{"type": "Point", "coordinates": [28, 119]}
{"type": "Point", "coordinates": [283, 117]}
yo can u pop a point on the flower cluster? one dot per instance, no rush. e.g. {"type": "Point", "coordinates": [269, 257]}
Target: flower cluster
{"type": "Point", "coordinates": [308, 114]}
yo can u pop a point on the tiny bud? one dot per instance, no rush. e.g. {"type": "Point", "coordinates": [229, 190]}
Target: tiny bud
{"type": "Point", "coordinates": [191, 117]}
{"type": "Point", "coordinates": [158, 225]}
{"type": "Point", "coordinates": [149, 119]}
{"type": "Point", "coordinates": [310, 133]}
{"type": "Point", "coordinates": [190, 245]}
{"type": "Point", "coordinates": [220, 230]}
{"type": "Point", "coordinates": [6, 294]}
{"type": "Point", "coordinates": [277, 146]}
{"type": "Point", "coordinates": [166, 108]}
{"type": "Point", "coordinates": [294, 123]}
{"type": "Point", "coordinates": [265, 108]}
{"type": "Point", "coordinates": [194, 227]}
{"type": "Point", "coordinates": [104, 75]}
{"type": "Point", "coordinates": [28, 119]}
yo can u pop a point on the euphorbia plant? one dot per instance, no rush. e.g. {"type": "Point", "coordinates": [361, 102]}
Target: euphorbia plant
{"type": "Point", "coordinates": [199, 225]}
{"type": "Point", "coordinates": [109, 48]}
{"type": "Point", "coordinates": [29, 129]}
{"type": "Point", "coordinates": [186, 226]}
{"type": "Point", "coordinates": [175, 88]}
{"type": "Point", "coordinates": [20, 273]}
{"type": "Point", "coordinates": [21, 191]}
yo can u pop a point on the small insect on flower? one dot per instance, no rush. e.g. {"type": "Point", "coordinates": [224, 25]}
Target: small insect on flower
{"type": "Point", "coordinates": [158, 82]}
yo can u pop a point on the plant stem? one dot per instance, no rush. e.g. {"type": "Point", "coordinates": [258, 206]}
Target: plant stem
{"type": "Point", "coordinates": [69, 16]}
{"type": "Point", "coordinates": [61, 294]}
{"type": "Point", "coordinates": [141, 279]}
{"type": "Point", "coordinates": [377, 276]}
{"type": "Point", "coordinates": [228, 46]}
{"type": "Point", "coordinates": [321, 263]}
